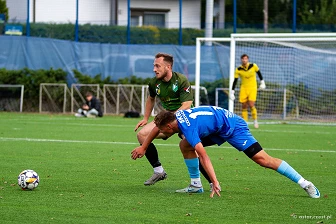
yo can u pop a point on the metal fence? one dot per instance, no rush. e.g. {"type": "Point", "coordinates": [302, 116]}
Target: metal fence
{"type": "Point", "coordinates": [115, 99]}
{"type": "Point", "coordinates": [176, 14]}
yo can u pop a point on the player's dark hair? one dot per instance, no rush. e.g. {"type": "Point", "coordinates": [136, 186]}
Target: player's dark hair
{"type": "Point", "coordinates": [243, 56]}
{"type": "Point", "coordinates": [164, 118]}
{"type": "Point", "coordinates": [88, 94]}
{"type": "Point", "coordinates": [166, 57]}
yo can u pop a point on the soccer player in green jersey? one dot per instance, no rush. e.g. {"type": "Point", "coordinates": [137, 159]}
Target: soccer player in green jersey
{"type": "Point", "coordinates": [174, 91]}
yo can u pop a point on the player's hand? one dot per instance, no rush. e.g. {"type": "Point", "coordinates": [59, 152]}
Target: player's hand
{"type": "Point", "coordinates": [262, 85]}
{"type": "Point", "coordinates": [140, 124]}
{"type": "Point", "coordinates": [138, 152]}
{"type": "Point", "coordinates": [232, 96]}
{"type": "Point", "coordinates": [85, 107]}
{"type": "Point", "coordinates": [215, 189]}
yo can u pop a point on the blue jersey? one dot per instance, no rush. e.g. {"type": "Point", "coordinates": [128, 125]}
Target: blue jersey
{"type": "Point", "coordinates": [217, 124]}
{"type": "Point", "coordinates": [200, 122]}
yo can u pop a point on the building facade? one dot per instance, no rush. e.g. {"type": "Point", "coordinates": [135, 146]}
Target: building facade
{"type": "Point", "coordinates": [108, 12]}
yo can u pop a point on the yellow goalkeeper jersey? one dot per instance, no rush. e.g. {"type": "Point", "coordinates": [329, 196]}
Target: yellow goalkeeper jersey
{"type": "Point", "coordinates": [248, 75]}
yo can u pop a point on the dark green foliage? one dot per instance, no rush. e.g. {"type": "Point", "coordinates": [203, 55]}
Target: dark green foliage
{"type": "Point", "coordinates": [319, 14]}
{"type": "Point", "coordinates": [52, 30]}
{"type": "Point", "coordinates": [31, 80]}
{"type": "Point", "coordinates": [86, 79]}
{"type": "Point", "coordinates": [211, 88]}
{"type": "Point", "coordinates": [3, 8]}
{"type": "Point", "coordinates": [310, 101]}
{"type": "Point", "coordinates": [316, 102]}
{"type": "Point", "coordinates": [312, 16]}
{"type": "Point", "coordinates": [139, 35]}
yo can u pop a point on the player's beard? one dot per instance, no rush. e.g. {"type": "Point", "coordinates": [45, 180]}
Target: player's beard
{"type": "Point", "coordinates": [164, 74]}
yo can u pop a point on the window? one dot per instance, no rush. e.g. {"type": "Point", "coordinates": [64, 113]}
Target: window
{"type": "Point", "coordinates": [135, 21]}
{"type": "Point", "coordinates": [146, 17]}
{"type": "Point", "coordinates": [154, 19]}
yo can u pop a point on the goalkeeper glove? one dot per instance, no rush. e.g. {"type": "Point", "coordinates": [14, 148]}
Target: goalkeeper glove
{"type": "Point", "coordinates": [262, 85]}
{"type": "Point", "coordinates": [232, 96]}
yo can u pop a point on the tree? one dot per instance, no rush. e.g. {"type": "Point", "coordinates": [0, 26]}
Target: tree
{"type": "Point", "coordinates": [322, 13]}
{"type": "Point", "coordinates": [3, 8]}
{"type": "Point", "coordinates": [265, 16]}
{"type": "Point", "coordinates": [251, 12]}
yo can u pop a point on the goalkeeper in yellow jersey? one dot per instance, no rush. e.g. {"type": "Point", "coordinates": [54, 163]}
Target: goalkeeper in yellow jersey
{"type": "Point", "coordinates": [248, 90]}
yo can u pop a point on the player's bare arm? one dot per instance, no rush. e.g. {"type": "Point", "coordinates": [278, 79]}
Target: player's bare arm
{"type": "Point", "coordinates": [206, 163]}
{"type": "Point", "coordinates": [149, 107]}
{"type": "Point", "coordinates": [185, 105]}
{"type": "Point", "coordinates": [140, 151]}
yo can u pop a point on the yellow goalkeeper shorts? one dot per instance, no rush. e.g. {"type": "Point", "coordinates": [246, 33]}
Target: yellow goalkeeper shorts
{"type": "Point", "coordinates": [247, 94]}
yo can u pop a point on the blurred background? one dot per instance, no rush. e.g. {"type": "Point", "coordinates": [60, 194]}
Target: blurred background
{"type": "Point", "coordinates": [107, 21]}
{"type": "Point", "coordinates": [115, 41]}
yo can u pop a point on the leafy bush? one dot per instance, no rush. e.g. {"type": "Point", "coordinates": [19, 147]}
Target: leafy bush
{"type": "Point", "coordinates": [31, 80]}
{"type": "Point", "coordinates": [310, 102]}
{"type": "Point", "coordinates": [4, 8]}
{"type": "Point", "coordinates": [138, 35]}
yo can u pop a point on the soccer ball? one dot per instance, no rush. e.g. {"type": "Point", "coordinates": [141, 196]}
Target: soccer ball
{"type": "Point", "coordinates": [28, 180]}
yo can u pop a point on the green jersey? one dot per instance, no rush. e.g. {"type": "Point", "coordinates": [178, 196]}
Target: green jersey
{"type": "Point", "coordinates": [172, 93]}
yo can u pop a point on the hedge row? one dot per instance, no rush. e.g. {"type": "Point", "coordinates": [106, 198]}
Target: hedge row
{"type": "Point", "coordinates": [31, 79]}
{"type": "Point", "coordinates": [309, 102]}
{"type": "Point", "coordinates": [118, 34]}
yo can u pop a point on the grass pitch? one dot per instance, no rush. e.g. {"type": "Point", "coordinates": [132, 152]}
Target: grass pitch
{"type": "Point", "coordinates": [87, 175]}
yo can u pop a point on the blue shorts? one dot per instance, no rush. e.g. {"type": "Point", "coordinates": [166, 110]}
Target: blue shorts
{"type": "Point", "coordinates": [240, 138]}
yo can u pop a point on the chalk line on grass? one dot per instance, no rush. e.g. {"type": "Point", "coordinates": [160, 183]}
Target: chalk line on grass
{"type": "Point", "coordinates": [135, 143]}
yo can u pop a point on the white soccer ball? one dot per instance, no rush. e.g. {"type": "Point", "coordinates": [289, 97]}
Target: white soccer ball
{"type": "Point", "coordinates": [28, 180]}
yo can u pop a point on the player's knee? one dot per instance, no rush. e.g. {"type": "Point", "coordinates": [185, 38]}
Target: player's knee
{"type": "Point", "coordinates": [184, 146]}
{"type": "Point", "coordinates": [264, 162]}
{"type": "Point", "coordinates": [141, 136]}
{"type": "Point", "coordinates": [269, 162]}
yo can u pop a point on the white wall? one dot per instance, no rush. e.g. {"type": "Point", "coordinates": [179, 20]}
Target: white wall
{"type": "Point", "coordinates": [17, 10]}
{"type": "Point", "coordinates": [62, 11]}
{"type": "Point", "coordinates": [191, 11]}
{"type": "Point", "coordinates": [98, 11]}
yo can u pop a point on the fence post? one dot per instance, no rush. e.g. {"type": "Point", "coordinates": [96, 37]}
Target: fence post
{"type": "Point", "coordinates": [285, 104]}
{"type": "Point", "coordinates": [21, 101]}
{"type": "Point", "coordinates": [234, 16]}
{"type": "Point", "coordinates": [294, 17]}
{"type": "Point", "coordinates": [128, 21]}
{"type": "Point", "coordinates": [64, 100]}
{"type": "Point", "coordinates": [28, 22]}
{"type": "Point", "coordinates": [180, 24]}
{"type": "Point", "coordinates": [76, 25]}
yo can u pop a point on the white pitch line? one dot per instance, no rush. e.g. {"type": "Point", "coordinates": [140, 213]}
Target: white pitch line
{"type": "Point", "coordinates": [288, 131]}
{"type": "Point", "coordinates": [64, 141]}
{"type": "Point", "coordinates": [158, 144]}
{"type": "Point", "coordinates": [77, 124]}
{"type": "Point", "coordinates": [331, 123]}
{"type": "Point", "coordinates": [132, 126]}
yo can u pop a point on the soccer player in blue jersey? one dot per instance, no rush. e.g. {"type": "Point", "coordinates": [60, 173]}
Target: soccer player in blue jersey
{"type": "Point", "coordinates": [208, 125]}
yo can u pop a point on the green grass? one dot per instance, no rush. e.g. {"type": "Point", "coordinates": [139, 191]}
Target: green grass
{"type": "Point", "coordinates": [87, 175]}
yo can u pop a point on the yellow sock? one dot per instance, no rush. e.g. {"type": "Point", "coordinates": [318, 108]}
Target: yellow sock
{"type": "Point", "coordinates": [245, 114]}
{"type": "Point", "coordinates": [254, 113]}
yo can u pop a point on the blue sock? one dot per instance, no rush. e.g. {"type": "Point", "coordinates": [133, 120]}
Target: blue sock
{"type": "Point", "coordinates": [288, 171]}
{"type": "Point", "coordinates": [193, 167]}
